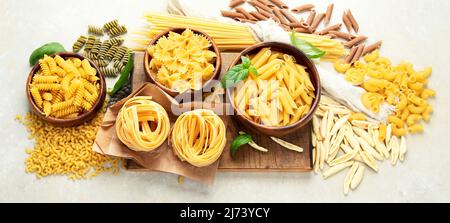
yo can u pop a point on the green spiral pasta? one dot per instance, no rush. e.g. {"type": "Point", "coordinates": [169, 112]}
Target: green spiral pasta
{"type": "Point", "coordinates": [94, 30]}
{"type": "Point", "coordinates": [89, 43]}
{"type": "Point", "coordinates": [125, 57]}
{"type": "Point", "coordinates": [116, 41]}
{"type": "Point", "coordinates": [101, 62]}
{"type": "Point", "coordinates": [96, 47]}
{"type": "Point", "coordinates": [109, 72]}
{"type": "Point", "coordinates": [103, 49]}
{"type": "Point", "coordinates": [111, 24]}
{"type": "Point", "coordinates": [90, 55]}
{"type": "Point", "coordinates": [110, 53]}
{"type": "Point", "coordinates": [116, 31]}
{"type": "Point", "coordinates": [120, 53]}
{"type": "Point", "coordinates": [79, 43]}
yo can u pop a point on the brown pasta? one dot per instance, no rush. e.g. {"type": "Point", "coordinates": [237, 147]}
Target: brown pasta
{"type": "Point", "coordinates": [355, 41]}
{"type": "Point", "coordinates": [329, 13]}
{"type": "Point", "coordinates": [302, 30]}
{"type": "Point", "coordinates": [235, 3]}
{"type": "Point", "coordinates": [347, 22]}
{"type": "Point", "coordinates": [343, 35]}
{"type": "Point", "coordinates": [352, 20]}
{"type": "Point", "coordinates": [335, 27]}
{"type": "Point", "coordinates": [288, 16]}
{"type": "Point", "coordinates": [263, 12]}
{"type": "Point", "coordinates": [233, 15]}
{"type": "Point", "coordinates": [316, 22]}
{"type": "Point", "coordinates": [300, 25]}
{"type": "Point", "coordinates": [371, 48]}
{"type": "Point", "coordinates": [280, 16]}
{"type": "Point", "coordinates": [258, 4]}
{"type": "Point", "coordinates": [358, 53]}
{"type": "Point", "coordinates": [303, 8]}
{"type": "Point", "coordinates": [280, 4]}
{"type": "Point", "coordinates": [245, 20]}
{"type": "Point", "coordinates": [245, 13]}
{"type": "Point", "coordinates": [258, 16]}
{"type": "Point", "coordinates": [350, 56]}
{"type": "Point", "coordinates": [311, 17]}
{"type": "Point", "coordinates": [267, 3]}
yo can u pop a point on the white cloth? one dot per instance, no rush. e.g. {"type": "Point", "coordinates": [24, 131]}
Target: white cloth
{"type": "Point", "coordinates": [332, 82]}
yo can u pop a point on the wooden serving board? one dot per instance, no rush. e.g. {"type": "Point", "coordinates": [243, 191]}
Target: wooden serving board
{"type": "Point", "coordinates": [278, 159]}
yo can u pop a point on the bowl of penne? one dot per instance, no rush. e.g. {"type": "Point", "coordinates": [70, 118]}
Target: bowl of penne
{"type": "Point", "coordinates": [66, 89]}
{"type": "Point", "coordinates": [181, 60]}
{"type": "Point", "coordinates": [282, 95]}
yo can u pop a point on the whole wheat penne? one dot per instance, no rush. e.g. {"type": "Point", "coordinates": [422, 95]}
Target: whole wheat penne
{"type": "Point", "coordinates": [280, 4]}
{"type": "Point", "coordinates": [245, 13]}
{"type": "Point", "coordinates": [363, 134]}
{"type": "Point", "coordinates": [403, 150]}
{"type": "Point", "coordinates": [388, 133]}
{"type": "Point", "coordinates": [323, 125]}
{"type": "Point", "coordinates": [339, 124]}
{"type": "Point", "coordinates": [355, 41]}
{"type": "Point", "coordinates": [336, 169]}
{"type": "Point", "coordinates": [395, 150]}
{"type": "Point", "coordinates": [369, 160]}
{"type": "Point", "coordinates": [289, 16]}
{"type": "Point", "coordinates": [317, 20]}
{"type": "Point", "coordinates": [358, 54]}
{"type": "Point", "coordinates": [330, 28]}
{"type": "Point", "coordinates": [275, 18]}
{"type": "Point", "coordinates": [233, 15]}
{"type": "Point", "coordinates": [357, 178]}
{"type": "Point", "coordinates": [264, 12]}
{"type": "Point", "coordinates": [329, 13]}
{"type": "Point", "coordinates": [302, 30]}
{"type": "Point", "coordinates": [245, 20]}
{"type": "Point", "coordinates": [352, 19]}
{"type": "Point", "coordinates": [346, 36]}
{"type": "Point", "coordinates": [287, 145]}
{"type": "Point", "coordinates": [280, 16]}
{"type": "Point", "coordinates": [349, 177]}
{"type": "Point", "coordinates": [372, 47]}
{"type": "Point", "coordinates": [258, 15]}
{"type": "Point", "coordinates": [369, 149]}
{"type": "Point", "coordinates": [303, 8]}
{"type": "Point", "coordinates": [329, 35]}
{"type": "Point", "coordinates": [267, 3]}
{"type": "Point", "coordinates": [300, 25]}
{"type": "Point", "coordinates": [347, 22]}
{"type": "Point", "coordinates": [235, 3]}
{"type": "Point", "coordinates": [350, 56]}
{"type": "Point", "coordinates": [311, 17]}
{"type": "Point", "coordinates": [342, 159]}
{"type": "Point", "coordinates": [259, 5]}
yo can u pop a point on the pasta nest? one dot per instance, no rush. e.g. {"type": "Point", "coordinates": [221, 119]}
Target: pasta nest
{"type": "Point", "coordinates": [142, 124]}
{"type": "Point", "coordinates": [199, 137]}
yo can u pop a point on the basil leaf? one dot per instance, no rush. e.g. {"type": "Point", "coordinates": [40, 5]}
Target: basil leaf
{"type": "Point", "coordinates": [238, 142]}
{"type": "Point", "coordinates": [307, 48]}
{"type": "Point", "coordinates": [246, 62]}
{"type": "Point", "coordinates": [253, 70]}
{"type": "Point", "coordinates": [242, 75]}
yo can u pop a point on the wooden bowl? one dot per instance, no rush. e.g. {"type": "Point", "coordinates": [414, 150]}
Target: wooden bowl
{"type": "Point", "coordinates": [301, 59]}
{"type": "Point", "coordinates": [80, 119]}
{"type": "Point", "coordinates": [206, 84]}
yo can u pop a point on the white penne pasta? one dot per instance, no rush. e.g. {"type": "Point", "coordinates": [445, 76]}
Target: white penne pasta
{"type": "Point", "coordinates": [403, 149]}
{"type": "Point", "coordinates": [316, 127]}
{"type": "Point", "coordinates": [357, 178]}
{"type": "Point", "coordinates": [330, 122]}
{"type": "Point", "coordinates": [369, 160]}
{"type": "Point", "coordinates": [313, 139]}
{"type": "Point", "coordinates": [388, 133]}
{"type": "Point", "coordinates": [364, 124]}
{"type": "Point", "coordinates": [336, 169]}
{"type": "Point", "coordinates": [342, 159]}
{"type": "Point", "coordinates": [395, 150]}
{"type": "Point", "coordinates": [365, 135]}
{"type": "Point", "coordinates": [287, 145]}
{"type": "Point", "coordinates": [379, 146]}
{"type": "Point", "coordinates": [349, 177]}
{"type": "Point", "coordinates": [369, 149]}
{"type": "Point", "coordinates": [323, 125]}
{"type": "Point", "coordinates": [339, 123]}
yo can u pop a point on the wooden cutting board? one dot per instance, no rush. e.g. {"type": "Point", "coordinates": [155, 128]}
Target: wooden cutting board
{"type": "Point", "coordinates": [278, 159]}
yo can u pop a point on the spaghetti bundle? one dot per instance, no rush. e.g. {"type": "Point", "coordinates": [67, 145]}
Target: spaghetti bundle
{"type": "Point", "coordinates": [227, 36]}
{"type": "Point", "coordinates": [199, 137]}
{"type": "Point", "coordinates": [334, 49]}
{"type": "Point", "coordinates": [142, 124]}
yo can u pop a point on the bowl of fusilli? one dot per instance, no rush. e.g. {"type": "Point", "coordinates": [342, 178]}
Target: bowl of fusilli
{"type": "Point", "coordinates": [66, 89]}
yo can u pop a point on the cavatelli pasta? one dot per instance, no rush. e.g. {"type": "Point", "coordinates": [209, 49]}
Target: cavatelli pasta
{"type": "Point", "coordinates": [109, 72]}
{"type": "Point", "coordinates": [72, 90]}
{"type": "Point", "coordinates": [109, 25]}
{"type": "Point", "coordinates": [116, 41]}
{"type": "Point", "coordinates": [79, 43]}
{"type": "Point", "coordinates": [95, 30]}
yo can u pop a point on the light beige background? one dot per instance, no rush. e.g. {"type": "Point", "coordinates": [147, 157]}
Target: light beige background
{"type": "Point", "coordinates": [414, 30]}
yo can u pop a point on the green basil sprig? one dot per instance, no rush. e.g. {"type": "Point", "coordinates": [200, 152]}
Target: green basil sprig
{"type": "Point", "coordinates": [239, 141]}
{"type": "Point", "coordinates": [238, 73]}
{"type": "Point", "coordinates": [306, 47]}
